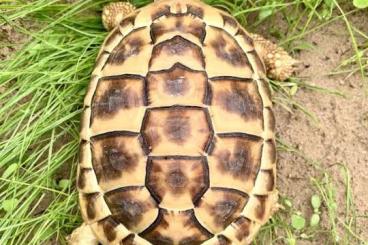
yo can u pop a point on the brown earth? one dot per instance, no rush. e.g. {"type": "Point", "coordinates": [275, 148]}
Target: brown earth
{"type": "Point", "coordinates": [341, 134]}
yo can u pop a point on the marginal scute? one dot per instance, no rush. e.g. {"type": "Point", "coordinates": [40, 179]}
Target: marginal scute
{"type": "Point", "coordinates": [118, 159]}
{"type": "Point", "coordinates": [265, 182]}
{"type": "Point", "coordinates": [268, 154]}
{"type": "Point", "coordinates": [169, 226]}
{"type": "Point", "coordinates": [109, 230]}
{"type": "Point", "coordinates": [177, 130]}
{"type": "Point", "coordinates": [93, 207]}
{"type": "Point", "coordinates": [178, 85]}
{"type": "Point", "coordinates": [177, 181]}
{"type": "Point", "coordinates": [257, 64]}
{"type": "Point", "coordinates": [219, 207]}
{"type": "Point", "coordinates": [129, 240]}
{"type": "Point", "coordinates": [182, 25]}
{"type": "Point", "coordinates": [86, 181]}
{"type": "Point", "coordinates": [133, 207]}
{"type": "Point", "coordinates": [195, 10]}
{"type": "Point", "coordinates": [242, 227]}
{"type": "Point", "coordinates": [223, 240]}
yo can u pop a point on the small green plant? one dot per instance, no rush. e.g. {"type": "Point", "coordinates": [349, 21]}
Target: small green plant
{"type": "Point", "coordinates": [316, 204]}
{"type": "Point", "coordinates": [360, 3]}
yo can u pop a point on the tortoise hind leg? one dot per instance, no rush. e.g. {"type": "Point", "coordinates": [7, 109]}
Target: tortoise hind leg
{"type": "Point", "coordinates": [83, 235]}
{"type": "Point", "coordinates": [114, 12]}
{"type": "Point", "coordinates": [279, 64]}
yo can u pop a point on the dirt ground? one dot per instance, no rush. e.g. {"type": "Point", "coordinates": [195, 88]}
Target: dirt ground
{"type": "Point", "coordinates": [341, 136]}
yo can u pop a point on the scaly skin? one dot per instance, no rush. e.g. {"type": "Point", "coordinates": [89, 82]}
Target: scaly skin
{"type": "Point", "coordinates": [279, 64]}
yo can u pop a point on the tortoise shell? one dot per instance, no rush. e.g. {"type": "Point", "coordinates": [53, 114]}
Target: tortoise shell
{"type": "Point", "coordinates": [177, 137]}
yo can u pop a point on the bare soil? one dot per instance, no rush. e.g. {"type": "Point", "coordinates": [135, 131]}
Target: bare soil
{"type": "Point", "coordinates": [341, 134]}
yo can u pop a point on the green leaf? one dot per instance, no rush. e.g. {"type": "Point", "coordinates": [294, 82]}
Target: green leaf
{"type": "Point", "coordinates": [360, 3]}
{"type": "Point", "coordinates": [288, 203]}
{"type": "Point", "coordinates": [293, 90]}
{"type": "Point", "coordinates": [64, 184]}
{"type": "Point", "coordinates": [9, 204]}
{"type": "Point", "coordinates": [291, 241]}
{"type": "Point", "coordinates": [10, 170]}
{"type": "Point", "coordinates": [316, 202]}
{"type": "Point", "coordinates": [263, 14]}
{"type": "Point", "coordinates": [297, 222]}
{"type": "Point", "coordinates": [315, 219]}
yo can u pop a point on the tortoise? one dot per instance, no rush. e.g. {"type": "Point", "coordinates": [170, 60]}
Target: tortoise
{"type": "Point", "coordinates": [177, 133]}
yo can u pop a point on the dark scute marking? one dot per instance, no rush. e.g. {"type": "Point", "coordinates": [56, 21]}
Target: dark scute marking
{"type": "Point", "coordinates": [176, 85]}
{"type": "Point", "coordinates": [195, 10]}
{"type": "Point", "coordinates": [177, 46]}
{"type": "Point", "coordinates": [239, 101]}
{"type": "Point", "coordinates": [157, 239]}
{"type": "Point", "coordinates": [193, 221]}
{"type": "Point", "coordinates": [261, 207]}
{"type": "Point", "coordinates": [211, 130]}
{"type": "Point", "coordinates": [229, 52]}
{"type": "Point", "coordinates": [108, 225]}
{"type": "Point", "coordinates": [241, 136]}
{"type": "Point", "coordinates": [176, 180]}
{"type": "Point", "coordinates": [245, 36]}
{"type": "Point", "coordinates": [150, 181]}
{"type": "Point", "coordinates": [272, 150]}
{"type": "Point", "coordinates": [193, 240]}
{"type": "Point", "coordinates": [128, 20]}
{"type": "Point", "coordinates": [260, 66]}
{"type": "Point", "coordinates": [243, 228]}
{"type": "Point", "coordinates": [238, 163]}
{"type": "Point", "coordinates": [128, 47]}
{"type": "Point", "coordinates": [116, 97]}
{"type": "Point", "coordinates": [204, 181]}
{"type": "Point", "coordinates": [195, 28]}
{"type": "Point", "coordinates": [115, 160]}
{"type": "Point", "coordinates": [82, 177]}
{"type": "Point", "coordinates": [90, 200]}
{"type": "Point", "coordinates": [129, 240]}
{"type": "Point", "coordinates": [154, 236]}
{"type": "Point", "coordinates": [229, 20]}
{"type": "Point", "coordinates": [270, 179]}
{"type": "Point", "coordinates": [151, 138]}
{"type": "Point", "coordinates": [144, 145]}
{"type": "Point", "coordinates": [211, 146]}
{"type": "Point", "coordinates": [207, 100]}
{"type": "Point", "coordinates": [177, 127]}
{"type": "Point", "coordinates": [124, 207]}
{"type": "Point", "coordinates": [223, 240]}
{"type": "Point", "coordinates": [223, 211]}
{"type": "Point", "coordinates": [159, 12]}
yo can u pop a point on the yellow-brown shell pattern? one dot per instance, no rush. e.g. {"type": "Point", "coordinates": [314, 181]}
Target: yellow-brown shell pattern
{"type": "Point", "coordinates": [177, 137]}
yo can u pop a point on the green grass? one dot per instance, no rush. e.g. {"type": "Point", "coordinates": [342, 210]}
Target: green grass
{"type": "Point", "coordinates": [43, 86]}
